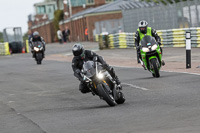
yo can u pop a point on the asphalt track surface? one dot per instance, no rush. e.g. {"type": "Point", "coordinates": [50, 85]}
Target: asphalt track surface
{"type": "Point", "coordinates": [45, 99]}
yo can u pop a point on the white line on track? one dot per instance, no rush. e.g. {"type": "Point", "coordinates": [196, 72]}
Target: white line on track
{"type": "Point", "coordinates": [161, 71]}
{"type": "Point", "coordinates": [183, 72]}
{"type": "Point", "coordinates": [135, 86]}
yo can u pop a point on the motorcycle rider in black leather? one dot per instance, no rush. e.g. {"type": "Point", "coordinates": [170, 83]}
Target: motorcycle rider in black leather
{"type": "Point", "coordinates": [143, 29]}
{"type": "Point", "coordinates": [81, 55]}
{"type": "Point", "coordinates": [37, 38]}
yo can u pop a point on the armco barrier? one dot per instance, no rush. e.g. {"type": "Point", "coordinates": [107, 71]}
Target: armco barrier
{"type": "Point", "coordinates": [169, 38]}
{"type": "Point", "coordinates": [121, 40]}
{"type": "Point", "coordinates": [4, 48]}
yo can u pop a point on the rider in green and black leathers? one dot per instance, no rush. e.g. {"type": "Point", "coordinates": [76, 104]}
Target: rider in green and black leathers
{"type": "Point", "coordinates": [141, 32]}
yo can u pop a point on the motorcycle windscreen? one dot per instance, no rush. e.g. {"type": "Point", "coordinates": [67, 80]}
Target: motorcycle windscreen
{"type": "Point", "coordinates": [37, 44]}
{"type": "Point", "coordinates": [148, 41]}
{"type": "Point", "coordinates": [88, 69]}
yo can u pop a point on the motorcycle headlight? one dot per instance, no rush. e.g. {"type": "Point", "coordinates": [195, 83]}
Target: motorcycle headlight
{"type": "Point", "coordinates": [154, 47]}
{"type": "Point", "coordinates": [100, 75]}
{"type": "Point", "coordinates": [145, 49]}
{"type": "Point", "coordinates": [36, 49]}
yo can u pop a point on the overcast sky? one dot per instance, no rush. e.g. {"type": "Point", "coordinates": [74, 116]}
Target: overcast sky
{"type": "Point", "coordinates": [14, 13]}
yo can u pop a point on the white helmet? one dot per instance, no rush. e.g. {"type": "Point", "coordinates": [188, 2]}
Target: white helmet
{"type": "Point", "coordinates": [143, 26]}
{"type": "Point", "coordinates": [35, 34]}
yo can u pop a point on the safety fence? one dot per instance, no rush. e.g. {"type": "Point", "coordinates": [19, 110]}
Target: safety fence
{"type": "Point", "coordinates": [4, 49]}
{"type": "Point", "coordinates": [169, 38]}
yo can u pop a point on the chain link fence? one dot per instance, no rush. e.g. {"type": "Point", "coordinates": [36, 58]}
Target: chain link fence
{"type": "Point", "coordinates": [108, 26]}
{"type": "Point", "coordinates": [161, 17]}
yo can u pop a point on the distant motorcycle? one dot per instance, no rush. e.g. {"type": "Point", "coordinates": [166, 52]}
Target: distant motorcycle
{"type": "Point", "coordinates": [38, 51]}
{"type": "Point", "coordinates": [101, 83]}
{"type": "Point", "coordinates": [151, 55]}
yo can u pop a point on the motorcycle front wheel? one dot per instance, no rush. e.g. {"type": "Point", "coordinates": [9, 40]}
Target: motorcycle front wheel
{"type": "Point", "coordinates": [39, 58]}
{"type": "Point", "coordinates": [104, 93]}
{"type": "Point", "coordinates": [155, 68]}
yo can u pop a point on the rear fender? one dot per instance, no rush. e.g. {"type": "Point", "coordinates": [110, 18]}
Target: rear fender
{"type": "Point", "coordinates": [152, 57]}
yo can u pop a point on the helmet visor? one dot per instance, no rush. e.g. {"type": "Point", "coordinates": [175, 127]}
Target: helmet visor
{"type": "Point", "coordinates": [143, 29]}
{"type": "Point", "coordinates": [36, 36]}
{"type": "Point", "coordinates": [78, 52]}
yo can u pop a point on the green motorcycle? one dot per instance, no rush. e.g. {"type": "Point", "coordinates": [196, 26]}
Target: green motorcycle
{"type": "Point", "coordinates": [151, 55]}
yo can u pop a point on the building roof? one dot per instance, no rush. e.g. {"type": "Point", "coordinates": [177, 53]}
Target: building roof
{"type": "Point", "coordinates": [44, 3]}
{"type": "Point", "coordinates": [134, 5]}
{"type": "Point", "coordinates": [110, 7]}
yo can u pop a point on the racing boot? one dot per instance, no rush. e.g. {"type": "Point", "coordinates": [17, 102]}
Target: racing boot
{"type": "Point", "coordinates": [162, 62]}
{"type": "Point", "coordinates": [32, 53]}
{"type": "Point", "coordinates": [142, 63]}
{"type": "Point", "coordinates": [118, 82]}
{"type": "Point", "coordinates": [43, 55]}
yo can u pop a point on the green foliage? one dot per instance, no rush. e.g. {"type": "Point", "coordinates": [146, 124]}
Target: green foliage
{"type": "Point", "coordinates": [25, 36]}
{"type": "Point", "coordinates": [1, 37]}
{"type": "Point", "coordinates": [58, 16]}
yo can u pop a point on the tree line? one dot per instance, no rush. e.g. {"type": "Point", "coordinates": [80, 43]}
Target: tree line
{"type": "Point", "coordinates": [1, 37]}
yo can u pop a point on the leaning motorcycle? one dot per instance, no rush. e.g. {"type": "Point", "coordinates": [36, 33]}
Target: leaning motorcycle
{"type": "Point", "coordinates": [38, 51]}
{"type": "Point", "coordinates": [100, 83]}
{"type": "Point", "coordinates": [151, 55]}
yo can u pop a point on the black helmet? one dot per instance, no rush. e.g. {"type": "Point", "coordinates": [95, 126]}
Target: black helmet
{"type": "Point", "coordinates": [143, 26]}
{"type": "Point", "coordinates": [78, 50]}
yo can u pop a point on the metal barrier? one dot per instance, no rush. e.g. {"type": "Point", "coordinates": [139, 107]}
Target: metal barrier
{"type": "Point", "coordinates": [169, 38]}
{"type": "Point", "coordinates": [4, 49]}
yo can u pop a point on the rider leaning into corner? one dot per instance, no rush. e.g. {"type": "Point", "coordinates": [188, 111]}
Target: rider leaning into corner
{"type": "Point", "coordinates": [81, 55]}
{"type": "Point", "coordinates": [143, 30]}
{"type": "Point", "coordinates": [36, 38]}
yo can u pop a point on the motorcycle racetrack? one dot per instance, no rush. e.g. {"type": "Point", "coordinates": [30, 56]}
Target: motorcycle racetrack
{"type": "Point", "coordinates": [46, 99]}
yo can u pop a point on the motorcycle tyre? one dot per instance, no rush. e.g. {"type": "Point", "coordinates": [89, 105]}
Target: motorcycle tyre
{"type": "Point", "coordinates": [155, 68]}
{"type": "Point", "coordinates": [103, 92]}
{"type": "Point", "coordinates": [39, 58]}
